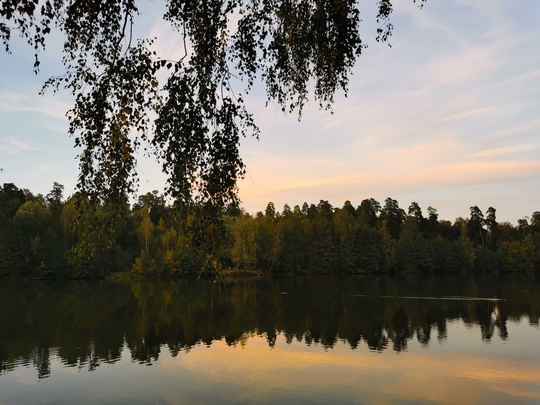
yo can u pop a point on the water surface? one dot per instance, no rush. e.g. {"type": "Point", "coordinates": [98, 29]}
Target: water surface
{"type": "Point", "coordinates": [313, 340]}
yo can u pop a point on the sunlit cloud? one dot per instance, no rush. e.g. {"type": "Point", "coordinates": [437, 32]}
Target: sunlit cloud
{"type": "Point", "coordinates": [506, 151]}
{"type": "Point", "coordinates": [440, 162]}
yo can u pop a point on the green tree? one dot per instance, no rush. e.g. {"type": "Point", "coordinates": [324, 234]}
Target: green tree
{"type": "Point", "coordinates": [368, 211]}
{"type": "Point", "coordinates": [523, 226]}
{"type": "Point", "coordinates": [33, 217]}
{"type": "Point", "coordinates": [535, 221]}
{"type": "Point", "coordinates": [535, 226]}
{"type": "Point", "coordinates": [155, 204]}
{"type": "Point", "coordinates": [519, 256]}
{"type": "Point", "coordinates": [244, 251]}
{"type": "Point", "coordinates": [475, 227]}
{"type": "Point", "coordinates": [413, 253]}
{"type": "Point", "coordinates": [11, 198]}
{"type": "Point", "coordinates": [324, 246]}
{"type": "Point", "coordinates": [536, 243]}
{"type": "Point", "coordinates": [55, 199]}
{"type": "Point", "coordinates": [388, 244]}
{"type": "Point", "coordinates": [466, 244]}
{"type": "Point", "coordinates": [450, 255]}
{"type": "Point", "coordinates": [432, 227]}
{"type": "Point", "coordinates": [270, 210]}
{"type": "Point", "coordinates": [145, 229]}
{"type": "Point", "coordinates": [346, 226]}
{"type": "Point", "coordinates": [296, 242]}
{"type": "Point", "coordinates": [15, 246]}
{"type": "Point", "coordinates": [393, 216]}
{"type": "Point", "coordinates": [492, 234]}
{"type": "Point", "coordinates": [373, 252]}
{"type": "Point", "coordinates": [98, 248]}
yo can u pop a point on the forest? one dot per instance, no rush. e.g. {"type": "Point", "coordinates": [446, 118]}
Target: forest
{"type": "Point", "coordinates": [52, 237]}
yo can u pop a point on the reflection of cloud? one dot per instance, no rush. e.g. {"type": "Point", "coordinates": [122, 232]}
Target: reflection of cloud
{"type": "Point", "coordinates": [414, 376]}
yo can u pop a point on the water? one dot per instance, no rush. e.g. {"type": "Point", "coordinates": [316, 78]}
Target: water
{"type": "Point", "coordinates": [314, 340]}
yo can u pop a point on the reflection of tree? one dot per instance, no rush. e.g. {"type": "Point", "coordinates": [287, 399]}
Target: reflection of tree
{"type": "Point", "coordinates": [400, 332]}
{"type": "Point", "coordinates": [147, 350]}
{"type": "Point", "coordinates": [92, 323]}
{"type": "Point", "coordinates": [377, 340]}
{"type": "Point", "coordinates": [484, 319]}
{"type": "Point", "coordinates": [41, 360]}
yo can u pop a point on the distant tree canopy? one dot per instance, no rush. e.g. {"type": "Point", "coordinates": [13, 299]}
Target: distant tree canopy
{"type": "Point", "coordinates": [193, 122]}
{"type": "Point", "coordinates": [48, 237]}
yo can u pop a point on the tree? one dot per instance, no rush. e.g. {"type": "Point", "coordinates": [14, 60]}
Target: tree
{"type": "Point", "coordinates": [523, 226]}
{"type": "Point", "coordinates": [155, 204]}
{"type": "Point", "coordinates": [54, 199]}
{"type": "Point", "coordinates": [421, 222]}
{"type": "Point", "coordinates": [492, 235]}
{"type": "Point", "coordinates": [270, 211]}
{"type": "Point", "coordinates": [416, 211]}
{"type": "Point", "coordinates": [432, 225]}
{"type": "Point", "coordinates": [291, 45]}
{"type": "Point", "coordinates": [244, 251]}
{"type": "Point", "coordinates": [394, 217]}
{"type": "Point", "coordinates": [368, 210]}
{"type": "Point", "coordinates": [11, 198]}
{"type": "Point", "coordinates": [475, 226]}
{"type": "Point", "coordinates": [145, 230]}
{"type": "Point", "coordinates": [535, 221]}
{"type": "Point", "coordinates": [33, 217]}
{"type": "Point", "coordinates": [346, 227]}
{"type": "Point", "coordinates": [519, 256]}
{"type": "Point", "coordinates": [413, 252]}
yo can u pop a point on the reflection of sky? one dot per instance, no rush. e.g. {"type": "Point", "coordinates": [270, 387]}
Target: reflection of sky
{"type": "Point", "coordinates": [460, 369]}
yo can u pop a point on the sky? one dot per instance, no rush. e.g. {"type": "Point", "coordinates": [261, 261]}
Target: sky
{"type": "Point", "coordinates": [448, 117]}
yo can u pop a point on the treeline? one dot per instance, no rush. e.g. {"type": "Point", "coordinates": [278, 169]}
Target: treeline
{"type": "Point", "coordinates": [377, 238]}
{"type": "Point", "coordinates": [49, 237]}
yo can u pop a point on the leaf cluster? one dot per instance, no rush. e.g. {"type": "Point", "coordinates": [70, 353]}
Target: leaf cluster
{"type": "Point", "coordinates": [193, 121]}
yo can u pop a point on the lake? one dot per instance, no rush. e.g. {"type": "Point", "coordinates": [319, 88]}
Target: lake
{"type": "Point", "coordinates": [368, 340]}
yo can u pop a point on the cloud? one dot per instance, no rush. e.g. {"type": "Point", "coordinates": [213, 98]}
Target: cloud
{"type": "Point", "coordinates": [26, 99]}
{"type": "Point", "coordinates": [14, 147]}
{"type": "Point", "coordinates": [506, 151]}
{"type": "Point", "coordinates": [42, 170]}
{"type": "Point", "coordinates": [169, 44]}
{"type": "Point", "coordinates": [444, 162]}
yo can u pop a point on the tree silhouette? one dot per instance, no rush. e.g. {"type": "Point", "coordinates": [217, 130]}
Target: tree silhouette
{"type": "Point", "coordinates": [291, 46]}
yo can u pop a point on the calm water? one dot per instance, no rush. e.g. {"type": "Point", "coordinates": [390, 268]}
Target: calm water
{"type": "Point", "coordinates": [321, 340]}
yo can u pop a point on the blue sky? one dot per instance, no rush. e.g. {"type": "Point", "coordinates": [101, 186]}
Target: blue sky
{"type": "Point", "coordinates": [449, 117]}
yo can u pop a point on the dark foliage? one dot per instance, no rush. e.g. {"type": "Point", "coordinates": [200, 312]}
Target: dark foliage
{"type": "Point", "coordinates": [291, 46]}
